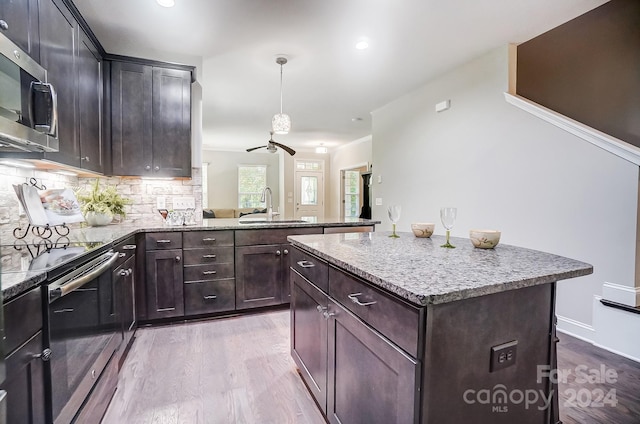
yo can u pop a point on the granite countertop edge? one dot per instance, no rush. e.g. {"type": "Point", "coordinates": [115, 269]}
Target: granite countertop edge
{"type": "Point", "coordinates": [451, 296]}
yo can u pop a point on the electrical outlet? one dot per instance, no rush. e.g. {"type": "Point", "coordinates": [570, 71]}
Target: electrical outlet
{"type": "Point", "coordinates": [503, 356]}
{"type": "Point", "coordinates": [186, 202]}
{"type": "Point", "coordinates": [161, 202]}
{"type": "Point", "coordinates": [378, 201]}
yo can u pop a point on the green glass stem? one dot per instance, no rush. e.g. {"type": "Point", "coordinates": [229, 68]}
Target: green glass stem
{"type": "Point", "coordinates": [394, 235]}
{"type": "Point", "coordinates": [447, 244]}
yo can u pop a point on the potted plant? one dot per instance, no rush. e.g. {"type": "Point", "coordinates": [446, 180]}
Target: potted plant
{"type": "Point", "coordinates": [99, 206]}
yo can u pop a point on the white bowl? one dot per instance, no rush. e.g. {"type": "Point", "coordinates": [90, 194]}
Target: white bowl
{"type": "Point", "coordinates": [423, 229]}
{"type": "Point", "coordinates": [484, 239]}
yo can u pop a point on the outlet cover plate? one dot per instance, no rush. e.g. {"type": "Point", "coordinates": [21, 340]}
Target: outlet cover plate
{"type": "Point", "coordinates": [186, 202]}
{"type": "Point", "coordinates": [503, 356]}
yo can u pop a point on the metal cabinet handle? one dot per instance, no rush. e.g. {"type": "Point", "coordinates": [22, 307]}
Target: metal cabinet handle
{"type": "Point", "coordinates": [4, 25]}
{"type": "Point", "coordinates": [147, 168]}
{"type": "Point", "coordinates": [278, 253]}
{"type": "Point", "coordinates": [125, 272]}
{"type": "Point", "coordinates": [129, 247]}
{"type": "Point", "coordinates": [85, 159]}
{"type": "Point", "coordinates": [122, 255]}
{"type": "Point", "coordinates": [177, 258]}
{"type": "Point", "coordinates": [286, 252]}
{"type": "Point", "coordinates": [163, 241]}
{"type": "Point", "coordinates": [209, 272]}
{"type": "Point", "coordinates": [62, 311]}
{"type": "Point", "coordinates": [321, 308]}
{"type": "Point", "coordinates": [45, 355]}
{"type": "Point", "coordinates": [208, 256]}
{"type": "Point", "coordinates": [306, 264]}
{"type": "Point", "coordinates": [210, 297]}
{"type": "Point", "coordinates": [209, 239]}
{"type": "Point", "coordinates": [157, 168]}
{"type": "Point", "coordinates": [354, 298]}
{"type": "Point", "coordinates": [328, 315]}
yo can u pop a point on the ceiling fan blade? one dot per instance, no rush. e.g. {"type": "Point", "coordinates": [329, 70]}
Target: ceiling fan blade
{"type": "Point", "coordinates": [254, 148]}
{"type": "Point", "coordinates": [285, 148]}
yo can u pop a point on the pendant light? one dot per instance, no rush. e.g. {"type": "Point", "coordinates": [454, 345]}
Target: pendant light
{"type": "Point", "coordinates": [281, 123]}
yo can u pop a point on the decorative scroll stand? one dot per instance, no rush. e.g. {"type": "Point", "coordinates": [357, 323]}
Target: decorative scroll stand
{"type": "Point", "coordinates": [43, 232]}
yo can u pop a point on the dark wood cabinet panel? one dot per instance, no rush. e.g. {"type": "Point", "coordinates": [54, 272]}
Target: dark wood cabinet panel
{"type": "Point", "coordinates": [208, 271]}
{"type": "Point", "coordinates": [18, 329]}
{"type": "Point", "coordinates": [58, 41]}
{"type": "Point", "coordinates": [271, 236]}
{"type": "Point", "coordinates": [209, 296]}
{"type": "Point", "coordinates": [369, 379]}
{"type": "Point", "coordinates": [24, 384]}
{"type": "Point", "coordinates": [258, 276]}
{"type": "Point", "coordinates": [168, 240]}
{"type": "Point", "coordinates": [131, 123]}
{"type": "Point", "coordinates": [309, 336]}
{"type": "Point", "coordinates": [21, 17]}
{"type": "Point", "coordinates": [214, 255]}
{"type": "Point", "coordinates": [310, 267]}
{"type": "Point", "coordinates": [89, 66]}
{"type": "Point", "coordinates": [164, 281]}
{"type": "Point", "coordinates": [171, 122]}
{"type": "Point", "coordinates": [98, 402]}
{"type": "Point", "coordinates": [124, 285]}
{"type": "Point", "coordinates": [196, 239]}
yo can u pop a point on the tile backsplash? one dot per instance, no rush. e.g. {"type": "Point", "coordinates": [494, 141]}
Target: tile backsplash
{"type": "Point", "coordinates": [142, 192]}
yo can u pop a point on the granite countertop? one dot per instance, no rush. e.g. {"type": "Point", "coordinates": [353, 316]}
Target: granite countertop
{"type": "Point", "coordinates": [422, 272]}
{"type": "Point", "coordinates": [17, 282]}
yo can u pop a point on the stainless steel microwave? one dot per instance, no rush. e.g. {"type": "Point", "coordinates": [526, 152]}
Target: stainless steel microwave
{"type": "Point", "coordinates": [28, 104]}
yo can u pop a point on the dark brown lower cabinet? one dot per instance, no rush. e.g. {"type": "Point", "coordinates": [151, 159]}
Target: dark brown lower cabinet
{"type": "Point", "coordinates": [309, 336]}
{"type": "Point", "coordinates": [164, 283]}
{"type": "Point", "coordinates": [203, 297]}
{"type": "Point", "coordinates": [25, 383]}
{"type": "Point", "coordinates": [260, 275]}
{"type": "Point", "coordinates": [370, 380]}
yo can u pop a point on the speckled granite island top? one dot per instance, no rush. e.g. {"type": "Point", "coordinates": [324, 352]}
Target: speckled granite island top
{"type": "Point", "coordinates": [422, 272]}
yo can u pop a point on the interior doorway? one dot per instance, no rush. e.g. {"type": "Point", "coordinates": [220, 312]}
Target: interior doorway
{"type": "Point", "coordinates": [309, 190]}
{"type": "Point", "coordinates": [351, 191]}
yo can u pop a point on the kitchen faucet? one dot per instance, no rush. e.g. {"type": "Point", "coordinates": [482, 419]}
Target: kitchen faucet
{"type": "Point", "coordinates": [269, 202]}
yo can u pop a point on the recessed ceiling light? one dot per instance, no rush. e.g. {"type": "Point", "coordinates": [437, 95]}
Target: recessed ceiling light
{"type": "Point", "coordinates": [166, 3]}
{"type": "Point", "coordinates": [357, 119]}
{"type": "Point", "coordinates": [321, 150]}
{"type": "Point", "coordinates": [362, 45]}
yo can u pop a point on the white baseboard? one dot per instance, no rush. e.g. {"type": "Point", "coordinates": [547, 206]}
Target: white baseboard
{"type": "Point", "coordinates": [576, 329]}
{"type": "Point", "coordinates": [617, 330]}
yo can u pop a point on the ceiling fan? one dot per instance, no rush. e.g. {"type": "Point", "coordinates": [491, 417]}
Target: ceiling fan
{"type": "Point", "coordinates": [271, 146]}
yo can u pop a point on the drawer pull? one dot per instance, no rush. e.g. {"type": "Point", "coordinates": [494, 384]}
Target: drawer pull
{"type": "Point", "coordinates": [306, 264]}
{"type": "Point", "coordinates": [209, 239]}
{"type": "Point", "coordinates": [129, 247]}
{"type": "Point", "coordinates": [45, 355]}
{"type": "Point", "coordinates": [327, 314]}
{"type": "Point", "coordinates": [122, 255]}
{"type": "Point", "coordinates": [163, 241]}
{"type": "Point", "coordinates": [286, 252]}
{"type": "Point", "coordinates": [209, 272]}
{"type": "Point", "coordinates": [278, 253]}
{"type": "Point", "coordinates": [321, 308]}
{"type": "Point", "coordinates": [208, 256]}
{"type": "Point", "coordinates": [210, 297]}
{"type": "Point", "coordinates": [354, 298]}
{"type": "Point", "coordinates": [63, 311]}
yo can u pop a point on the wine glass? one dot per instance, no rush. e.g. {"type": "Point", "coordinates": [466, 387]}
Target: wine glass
{"type": "Point", "coordinates": [448, 218]}
{"type": "Point", "coordinates": [394, 216]}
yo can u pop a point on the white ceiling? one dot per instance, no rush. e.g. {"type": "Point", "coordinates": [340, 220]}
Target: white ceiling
{"type": "Point", "coordinates": [327, 82]}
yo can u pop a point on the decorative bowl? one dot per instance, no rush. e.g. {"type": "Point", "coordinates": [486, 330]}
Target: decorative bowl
{"type": "Point", "coordinates": [96, 219]}
{"type": "Point", "coordinates": [423, 229]}
{"type": "Point", "coordinates": [484, 239]}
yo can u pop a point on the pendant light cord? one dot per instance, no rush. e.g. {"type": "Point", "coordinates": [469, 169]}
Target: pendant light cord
{"type": "Point", "coordinates": [280, 89]}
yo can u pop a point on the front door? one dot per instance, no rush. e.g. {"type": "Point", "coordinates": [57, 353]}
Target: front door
{"type": "Point", "coordinates": [309, 194]}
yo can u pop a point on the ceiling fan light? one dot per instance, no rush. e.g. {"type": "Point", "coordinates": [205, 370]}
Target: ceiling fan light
{"type": "Point", "coordinates": [281, 123]}
{"type": "Point", "coordinates": [166, 3]}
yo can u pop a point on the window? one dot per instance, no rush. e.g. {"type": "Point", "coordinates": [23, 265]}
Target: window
{"type": "Point", "coordinates": [252, 179]}
{"type": "Point", "coordinates": [351, 194]}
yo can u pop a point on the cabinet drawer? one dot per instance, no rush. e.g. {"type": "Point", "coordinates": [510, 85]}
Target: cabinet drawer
{"type": "Point", "coordinates": [207, 238]}
{"type": "Point", "coordinates": [208, 272]}
{"type": "Point", "coordinates": [207, 256]}
{"type": "Point", "coordinates": [125, 250]}
{"type": "Point", "coordinates": [162, 241]}
{"type": "Point", "coordinates": [271, 236]}
{"type": "Point", "coordinates": [18, 329]}
{"type": "Point", "coordinates": [397, 321]}
{"type": "Point", "coordinates": [209, 296]}
{"type": "Point", "coordinates": [310, 267]}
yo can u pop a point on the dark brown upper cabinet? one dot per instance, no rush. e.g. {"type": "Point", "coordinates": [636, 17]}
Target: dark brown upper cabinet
{"type": "Point", "coordinates": [150, 120]}
{"type": "Point", "coordinates": [20, 24]}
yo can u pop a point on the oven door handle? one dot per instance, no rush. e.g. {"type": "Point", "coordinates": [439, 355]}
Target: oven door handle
{"type": "Point", "coordinates": [57, 291]}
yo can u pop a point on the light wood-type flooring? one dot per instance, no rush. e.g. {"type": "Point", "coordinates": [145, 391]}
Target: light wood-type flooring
{"type": "Point", "coordinates": [239, 370]}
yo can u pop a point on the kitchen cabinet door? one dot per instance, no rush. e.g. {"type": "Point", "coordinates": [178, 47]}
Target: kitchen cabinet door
{"type": "Point", "coordinates": [309, 336]}
{"type": "Point", "coordinates": [259, 276]}
{"type": "Point", "coordinates": [171, 122]}
{"type": "Point", "coordinates": [58, 42]}
{"type": "Point", "coordinates": [89, 66]}
{"type": "Point", "coordinates": [165, 296]}
{"type": "Point", "coordinates": [21, 23]}
{"type": "Point", "coordinates": [131, 122]}
{"type": "Point", "coordinates": [24, 384]}
{"type": "Point", "coordinates": [124, 284]}
{"type": "Point", "coordinates": [370, 380]}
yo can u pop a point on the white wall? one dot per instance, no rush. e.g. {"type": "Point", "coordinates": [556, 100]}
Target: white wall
{"type": "Point", "coordinates": [505, 169]}
{"type": "Point", "coordinates": [222, 183]}
{"type": "Point", "coordinates": [352, 155]}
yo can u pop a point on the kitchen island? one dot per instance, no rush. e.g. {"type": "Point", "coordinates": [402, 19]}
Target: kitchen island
{"type": "Point", "coordinates": [417, 333]}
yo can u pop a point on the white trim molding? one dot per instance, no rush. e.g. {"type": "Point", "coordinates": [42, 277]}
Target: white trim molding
{"type": "Point", "coordinates": [626, 295]}
{"type": "Point", "coordinates": [617, 330]}
{"type": "Point", "coordinates": [598, 138]}
{"type": "Point", "coordinates": [576, 329]}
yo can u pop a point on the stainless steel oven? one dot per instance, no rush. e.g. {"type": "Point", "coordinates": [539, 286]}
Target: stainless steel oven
{"type": "Point", "coordinates": [83, 329]}
{"type": "Point", "coordinates": [28, 104]}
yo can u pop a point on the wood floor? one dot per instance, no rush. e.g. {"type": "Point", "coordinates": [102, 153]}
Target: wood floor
{"type": "Point", "coordinates": [238, 370]}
